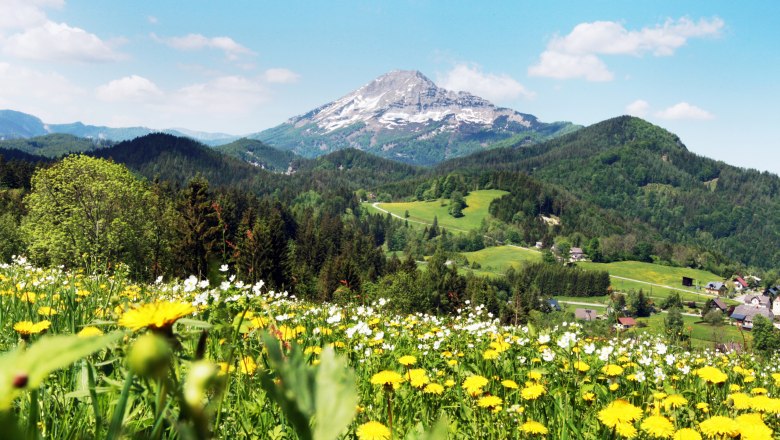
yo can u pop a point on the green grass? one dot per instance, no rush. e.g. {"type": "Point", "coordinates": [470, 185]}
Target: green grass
{"type": "Point", "coordinates": [424, 212]}
{"type": "Point", "coordinates": [702, 335]}
{"type": "Point", "coordinates": [498, 259]}
{"type": "Point", "coordinates": [653, 273]}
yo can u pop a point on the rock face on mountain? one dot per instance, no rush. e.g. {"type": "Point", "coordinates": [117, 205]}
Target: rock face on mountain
{"type": "Point", "coordinates": [403, 115]}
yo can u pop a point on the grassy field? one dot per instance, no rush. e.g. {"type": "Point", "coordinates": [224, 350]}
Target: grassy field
{"type": "Point", "coordinates": [424, 212]}
{"type": "Point", "coordinates": [702, 335]}
{"type": "Point", "coordinates": [653, 273]}
{"type": "Point", "coordinates": [500, 258]}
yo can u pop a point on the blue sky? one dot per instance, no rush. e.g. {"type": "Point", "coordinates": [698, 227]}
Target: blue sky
{"type": "Point", "coordinates": [707, 71]}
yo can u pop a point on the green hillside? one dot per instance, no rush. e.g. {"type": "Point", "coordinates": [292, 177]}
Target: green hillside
{"type": "Point", "coordinates": [636, 170]}
{"type": "Point", "coordinates": [259, 154]}
{"type": "Point", "coordinates": [424, 212]}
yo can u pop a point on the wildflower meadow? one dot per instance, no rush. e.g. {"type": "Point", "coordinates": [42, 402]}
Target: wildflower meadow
{"type": "Point", "coordinates": [93, 356]}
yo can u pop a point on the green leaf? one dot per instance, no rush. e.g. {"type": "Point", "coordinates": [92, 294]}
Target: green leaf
{"type": "Point", "coordinates": [326, 394]}
{"type": "Point", "coordinates": [335, 399]}
{"type": "Point", "coordinates": [437, 432]}
{"type": "Point", "coordinates": [48, 354]}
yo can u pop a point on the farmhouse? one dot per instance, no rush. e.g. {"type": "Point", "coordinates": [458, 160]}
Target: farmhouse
{"type": "Point", "coordinates": [576, 254]}
{"type": "Point", "coordinates": [715, 288]}
{"type": "Point", "coordinates": [758, 300]}
{"type": "Point", "coordinates": [586, 315]}
{"type": "Point", "coordinates": [720, 304]}
{"type": "Point", "coordinates": [740, 283]}
{"type": "Point", "coordinates": [746, 313]}
{"type": "Point", "coordinates": [627, 322]}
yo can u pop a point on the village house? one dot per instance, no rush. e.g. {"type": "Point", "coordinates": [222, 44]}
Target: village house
{"type": "Point", "coordinates": [746, 313]}
{"type": "Point", "coordinates": [720, 304]}
{"type": "Point", "coordinates": [776, 306]}
{"type": "Point", "coordinates": [576, 254]}
{"type": "Point", "coordinates": [740, 284]}
{"type": "Point", "coordinates": [715, 288]}
{"type": "Point", "coordinates": [586, 315]}
{"type": "Point", "coordinates": [627, 322]}
{"type": "Point", "coordinates": [758, 301]}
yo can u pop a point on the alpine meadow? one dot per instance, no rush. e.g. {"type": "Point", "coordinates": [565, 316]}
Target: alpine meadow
{"type": "Point", "coordinates": [416, 220]}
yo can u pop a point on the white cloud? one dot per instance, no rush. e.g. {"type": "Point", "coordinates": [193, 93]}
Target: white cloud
{"type": "Point", "coordinates": [683, 110]}
{"type": "Point", "coordinates": [638, 108]}
{"type": "Point", "coordinates": [281, 76]}
{"type": "Point", "coordinates": [58, 41]}
{"type": "Point", "coordinates": [47, 95]}
{"type": "Point", "coordinates": [130, 88]}
{"type": "Point", "coordinates": [152, 19]}
{"type": "Point", "coordinates": [500, 88]}
{"type": "Point", "coordinates": [22, 14]}
{"type": "Point", "coordinates": [191, 42]}
{"type": "Point", "coordinates": [575, 55]}
{"type": "Point", "coordinates": [226, 95]}
{"type": "Point", "coordinates": [560, 65]}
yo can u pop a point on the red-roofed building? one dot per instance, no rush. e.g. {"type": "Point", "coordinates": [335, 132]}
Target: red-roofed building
{"type": "Point", "coordinates": [627, 322]}
{"type": "Point", "coordinates": [740, 283]}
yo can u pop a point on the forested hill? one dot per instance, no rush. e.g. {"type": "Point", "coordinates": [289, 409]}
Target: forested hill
{"type": "Point", "coordinates": [54, 145]}
{"type": "Point", "coordinates": [640, 170]}
{"type": "Point", "coordinates": [359, 167]}
{"type": "Point", "coordinates": [179, 159]}
{"type": "Point", "coordinates": [259, 154]}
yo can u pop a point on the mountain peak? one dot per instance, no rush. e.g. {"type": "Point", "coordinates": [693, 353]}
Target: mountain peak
{"type": "Point", "coordinates": [400, 111]}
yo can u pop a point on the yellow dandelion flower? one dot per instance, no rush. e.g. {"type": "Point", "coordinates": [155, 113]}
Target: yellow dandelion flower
{"type": "Point", "coordinates": [387, 378]}
{"type": "Point", "coordinates": [28, 297]}
{"type": "Point", "coordinates": [764, 403]}
{"type": "Point", "coordinates": [508, 383]}
{"type": "Point", "coordinates": [155, 316]}
{"type": "Point", "coordinates": [90, 331]}
{"type": "Point", "coordinates": [533, 427]}
{"type": "Point", "coordinates": [619, 411]}
{"type": "Point", "coordinates": [658, 426]}
{"type": "Point", "coordinates": [46, 311]}
{"type": "Point", "coordinates": [449, 383]}
{"type": "Point", "coordinates": [247, 365]}
{"type": "Point", "coordinates": [750, 418]}
{"type": "Point", "coordinates": [776, 377]}
{"type": "Point", "coordinates": [534, 375]}
{"type": "Point", "coordinates": [626, 430]}
{"type": "Point", "coordinates": [734, 388]}
{"type": "Point", "coordinates": [755, 432]}
{"type": "Point", "coordinates": [739, 400]}
{"type": "Point", "coordinates": [758, 390]}
{"type": "Point", "coordinates": [27, 328]}
{"type": "Point", "coordinates": [614, 386]}
{"type": "Point", "coordinates": [373, 431]}
{"type": "Point", "coordinates": [407, 360]}
{"type": "Point", "coordinates": [490, 402]}
{"type": "Point", "coordinates": [719, 426]}
{"type": "Point", "coordinates": [674, 401]}
{"type": "Point", "coordinates": [703, 407]}
{"type": "Point", "coordinates": [433, 388]}
{"type": "Point", "coordinates": [612, 370]}
{"type": "Point", "coordinates": [490, 355]}
{"type": "Point", "coordinates": [418, 377]}
{"type": "Point", "coordinates": [581, 366]}
{"type": "Point", "coordinates": [533, 392]}
{"type": "Point", "coordinates": [711, 375]}
{"type": "Point", "coordinates": [588, 397]}
{"type": "Point", "coordinates": [474, 384]}
{"type": "Point", "coordinates": [687, 434]}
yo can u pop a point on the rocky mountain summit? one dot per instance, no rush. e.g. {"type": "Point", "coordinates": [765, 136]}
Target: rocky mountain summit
{"type": "Point", "coordinates": [403, 115]}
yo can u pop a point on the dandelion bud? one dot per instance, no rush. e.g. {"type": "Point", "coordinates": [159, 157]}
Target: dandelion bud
{"type": "Point", "coordinates": [149, 356]}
